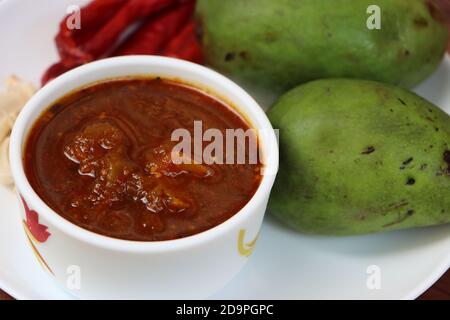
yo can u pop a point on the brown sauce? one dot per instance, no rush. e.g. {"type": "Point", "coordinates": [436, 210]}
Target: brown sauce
{"type": "Point", "coordinates": [100, 157]}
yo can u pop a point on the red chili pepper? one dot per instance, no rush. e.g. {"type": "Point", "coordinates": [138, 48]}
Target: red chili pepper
{"type": "Point", "coordinates": [92, 17]}
{"type": "Point", "coordinates": [105, 36]}
{"type": "Point", "coordinates": [167, 31]}
{"type": "Point", "coordinates": [55, 70]}
{"type": "Point", "coordinates": [185, 45]}
{"type": "Point", "coordinates": [154, 34]}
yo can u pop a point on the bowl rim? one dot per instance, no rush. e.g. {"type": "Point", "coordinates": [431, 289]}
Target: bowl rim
{"type": "Point", "coordinates": [24, 188]}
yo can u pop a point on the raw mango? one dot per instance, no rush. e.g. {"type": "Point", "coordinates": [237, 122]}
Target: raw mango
{"type": "Point", "coordinates": [272, 46]}
{"type": "Point", "coordinates": [360, 157]}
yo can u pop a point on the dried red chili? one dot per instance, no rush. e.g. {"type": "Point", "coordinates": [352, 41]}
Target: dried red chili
{"type": "Point", "coordinates": [155, 33]}
{"type": "Point", "coordinates": [105, 38]}
{"type": "Point", "coordinates": [164, 31]}
{"type": "Point", "coordinates": [55, 70]}
{"type": "Point", "coordinates": [185, 45]}
{"type": "Point", "coordinates": [69, 41]}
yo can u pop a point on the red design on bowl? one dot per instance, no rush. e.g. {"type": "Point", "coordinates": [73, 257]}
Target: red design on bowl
{"type": "Point", "coordinates": [39, 231]}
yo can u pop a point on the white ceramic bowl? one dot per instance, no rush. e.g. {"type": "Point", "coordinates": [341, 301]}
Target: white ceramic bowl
{"type": "Point", "coordinates": [90, 265]}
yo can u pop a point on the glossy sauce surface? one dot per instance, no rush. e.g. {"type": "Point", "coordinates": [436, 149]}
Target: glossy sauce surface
{"type": "Point", "coordinates": [101, 158]}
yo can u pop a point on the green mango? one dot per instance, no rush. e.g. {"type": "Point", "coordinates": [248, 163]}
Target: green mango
{"type": "Point", "coordinates": [358, 157]}
{"type": "Point", "coordinates": [272, 46]}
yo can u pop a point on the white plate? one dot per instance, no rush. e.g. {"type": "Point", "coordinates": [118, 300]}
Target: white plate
{"type": "Point", "coordinates": [285, 264]}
